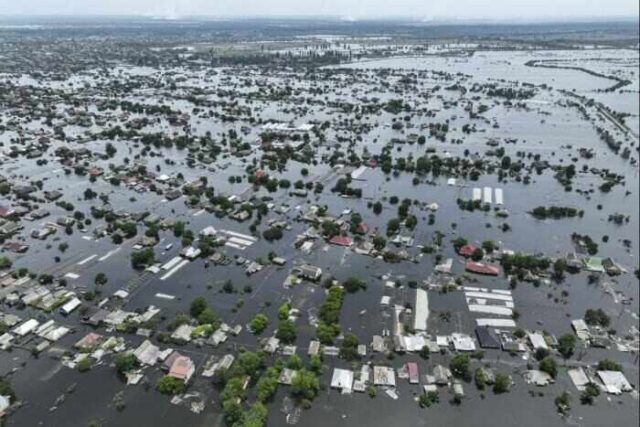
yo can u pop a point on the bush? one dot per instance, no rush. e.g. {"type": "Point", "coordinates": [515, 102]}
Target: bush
{"type": "Point", "coordinates": [170, 385]}
{"type": "Point", "coordinates": [597, 317]}
{"type": "Point", "coordinates": [460, 366]}
{"type": "Point", "coordinates": [502, 383]}
{"type": "Point", "coordinates": [354, 284]}
{"type": "Point", "coordinates": [85, 364]}
{"type": "Point", "coordinates": [259, 323]}
{"type": "Point", "coordinates": [140, 259]}
{"type": "Point", "coordinates": [305, 384]}
{"type": "Point", "coordinates": [550, 366]}
{"type": "Point", "coordinates": [5, 262]}
{"type": "Point", "coordinates": [566, 345]}
{"type": "Point", "coordinates": [198, 305]}
{"type": "Point", "coordinates": [609, 365]}
{"type": "Point", "coordinates": [588, 395]}
{"type": "Point", "coordinates": [286, 332]}
{"type": "Point", "coordinates": [273, 233]}
{"type": "Point", "coordinates": [125, 362]}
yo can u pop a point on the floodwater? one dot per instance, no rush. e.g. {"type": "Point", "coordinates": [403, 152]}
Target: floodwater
{"type": "Point", "coordinates": [546, 128]}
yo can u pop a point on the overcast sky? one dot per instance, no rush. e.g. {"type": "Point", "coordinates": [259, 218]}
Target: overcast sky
{"type": "Point", "coordinates": [417, 9]}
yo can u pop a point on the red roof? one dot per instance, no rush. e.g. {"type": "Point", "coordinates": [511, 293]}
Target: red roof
{"type": "Point", "coordinates": [481, 268]}
{"type": "Point", "coordinates": [5, 211]}
{"type": "Point", "coordinates": [373, 163]}
{"type": "Point", "coordinates": [362, 228]}
{"type": "Point", "coordinates": [412, 368]}
{"type": "Point", "coordinates": [466, 250]}
{"type": "Point", "coordinates": [341, 240]}
{"type": "Point", "coordinates": [260, 173]}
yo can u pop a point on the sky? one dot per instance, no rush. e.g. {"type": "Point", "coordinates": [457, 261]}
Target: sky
{"type": "Point", "coordinates": [353, 9]}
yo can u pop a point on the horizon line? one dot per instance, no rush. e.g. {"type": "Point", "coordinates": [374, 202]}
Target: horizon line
{"type": "Point", "coordinates": [342, 18]}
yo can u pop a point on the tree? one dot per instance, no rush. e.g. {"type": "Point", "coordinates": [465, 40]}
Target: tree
{"type": "Point", "coordinates": [256, 416]}
{"type": "Point", "coordinates": [272, 233]}
{"type": "Point", "coordinates": [588, 395]}
{"type": "Point", "coordinates": [305, 384]}
{"type": "Point", "coordinates": [232, 411]}
{"type": "Point", "coordinates": [501, 383]}
{"type": "Point", "coordinates": [250, 363]}
{"type": "Point", "coordinates": [233, 389]}
{"type": "Point", "coordinates": [549, 365]}
{"type": "Point", "coordinates": [489, 246]}
{"type": "Point", "coordinates": [566, 345]}
{"type": "Point", "coordinates": [259, 323]}
{"type": "Point", "coordinates": [609, 365]}
{"type": "Point", "coordinates": [428, 399]}
{"type": "Point", "coordinates": [393, 225]}
{"type": "Point", "coordinates": [325, 333]}
{"type": "Point", "coordinates": [425, 352]}
{"type": "Point", "coordinates": [377, 208]}
{"type": "Point", "coordinates": [477, 254]}
{"type": "Point", "coordinates": [198, 305]}
{"type": "Point", "coordinates": [283, 311]}
{"type": "Point", "coordinates": [597, 317]}
{"type": "Point", "coordinates": [480, 379]}
{"type": "Point", "coordinates": [142, 258]}
{"type": "Point", "coordinates": [563, 403]}
{"type": "Point", "coordinates": [286, 332]}
{"type": "Point", "coordinates": [459, 242]}
{"type": "Point", "coordinates": [208, 317]}
{"type": "Point", "coordinates": [5, 263]}
{"type": "Point", "coordinates": [559, 267]}
{"type": "Point", "coordinates": [125, 362]}
{"type": "Point", "coordinates": [85, 364]}
{"type": "Point", "coordinates": [315, 363]}
{"type": "Point", "coordinates": [354, 284]}
{"type": "Point", "coordinates": [101, 279]}
{"type": "Point", "coordinates": [379, 242]}
{"type": "Point", "coordinates": [349, 349]}
{"type": "Point", "coordinates": [459, 366]}
{"type": "Point", "coordinates": [294, 362]}
{"type": "Point", "coordinates": [267, 384]}
{"type": "Point", "coordinates": [411, 222]}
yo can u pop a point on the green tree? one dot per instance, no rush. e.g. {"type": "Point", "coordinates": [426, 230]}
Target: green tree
{"type": "Point", "coordinates": [501, 383]}
{"type": "Point", "coordinates": [480, 379]}
{"type": "Point", "coordinates": [267, 384]}
{"type": "Point", "coordinates": [477, 254]}
{"type": "Point", "coordinates": [5, 262]}
{"type": "Point", "coordinates": [259, 323]}
{"type": "Point", "coordinates": [460, 366]}
{"type": "Point", "coordinates": [354, 284]}
{"type": "Point", "coordinates": [549, 365]}
{"type": "Point", "coordinates": [85, 364]}
{"type": "Point", "coordinates": [286, 332]}
{"type": "Point", "coordinates": [101, 279]}
{"type": "Point", "coordinates": [170, 385]}
{"type": "Point", "coordinates": [349, 348]}
{"type": "Point", "coordinates": [566, 345]}
{"type": "Point", "coordinates": [198, 305]}
{"type": "Point", "coordinates": [563, 403]}
{"type": "Point", "coordinates": [489, 246]}
{"type": "Point", "coordinates": [589, 394]}
{"type": "Point", "coordinates": [125, 362]}
{"type": "Point", "coordinates": [609, 365]}
{"type": "Point", "coordinates": [305, 385]}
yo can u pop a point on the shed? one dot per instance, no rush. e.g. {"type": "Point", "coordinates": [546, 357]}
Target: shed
{"type": "Point", "coordinates": [342, 379]}
{"type": "Point", "coordinates": [487, 338]}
